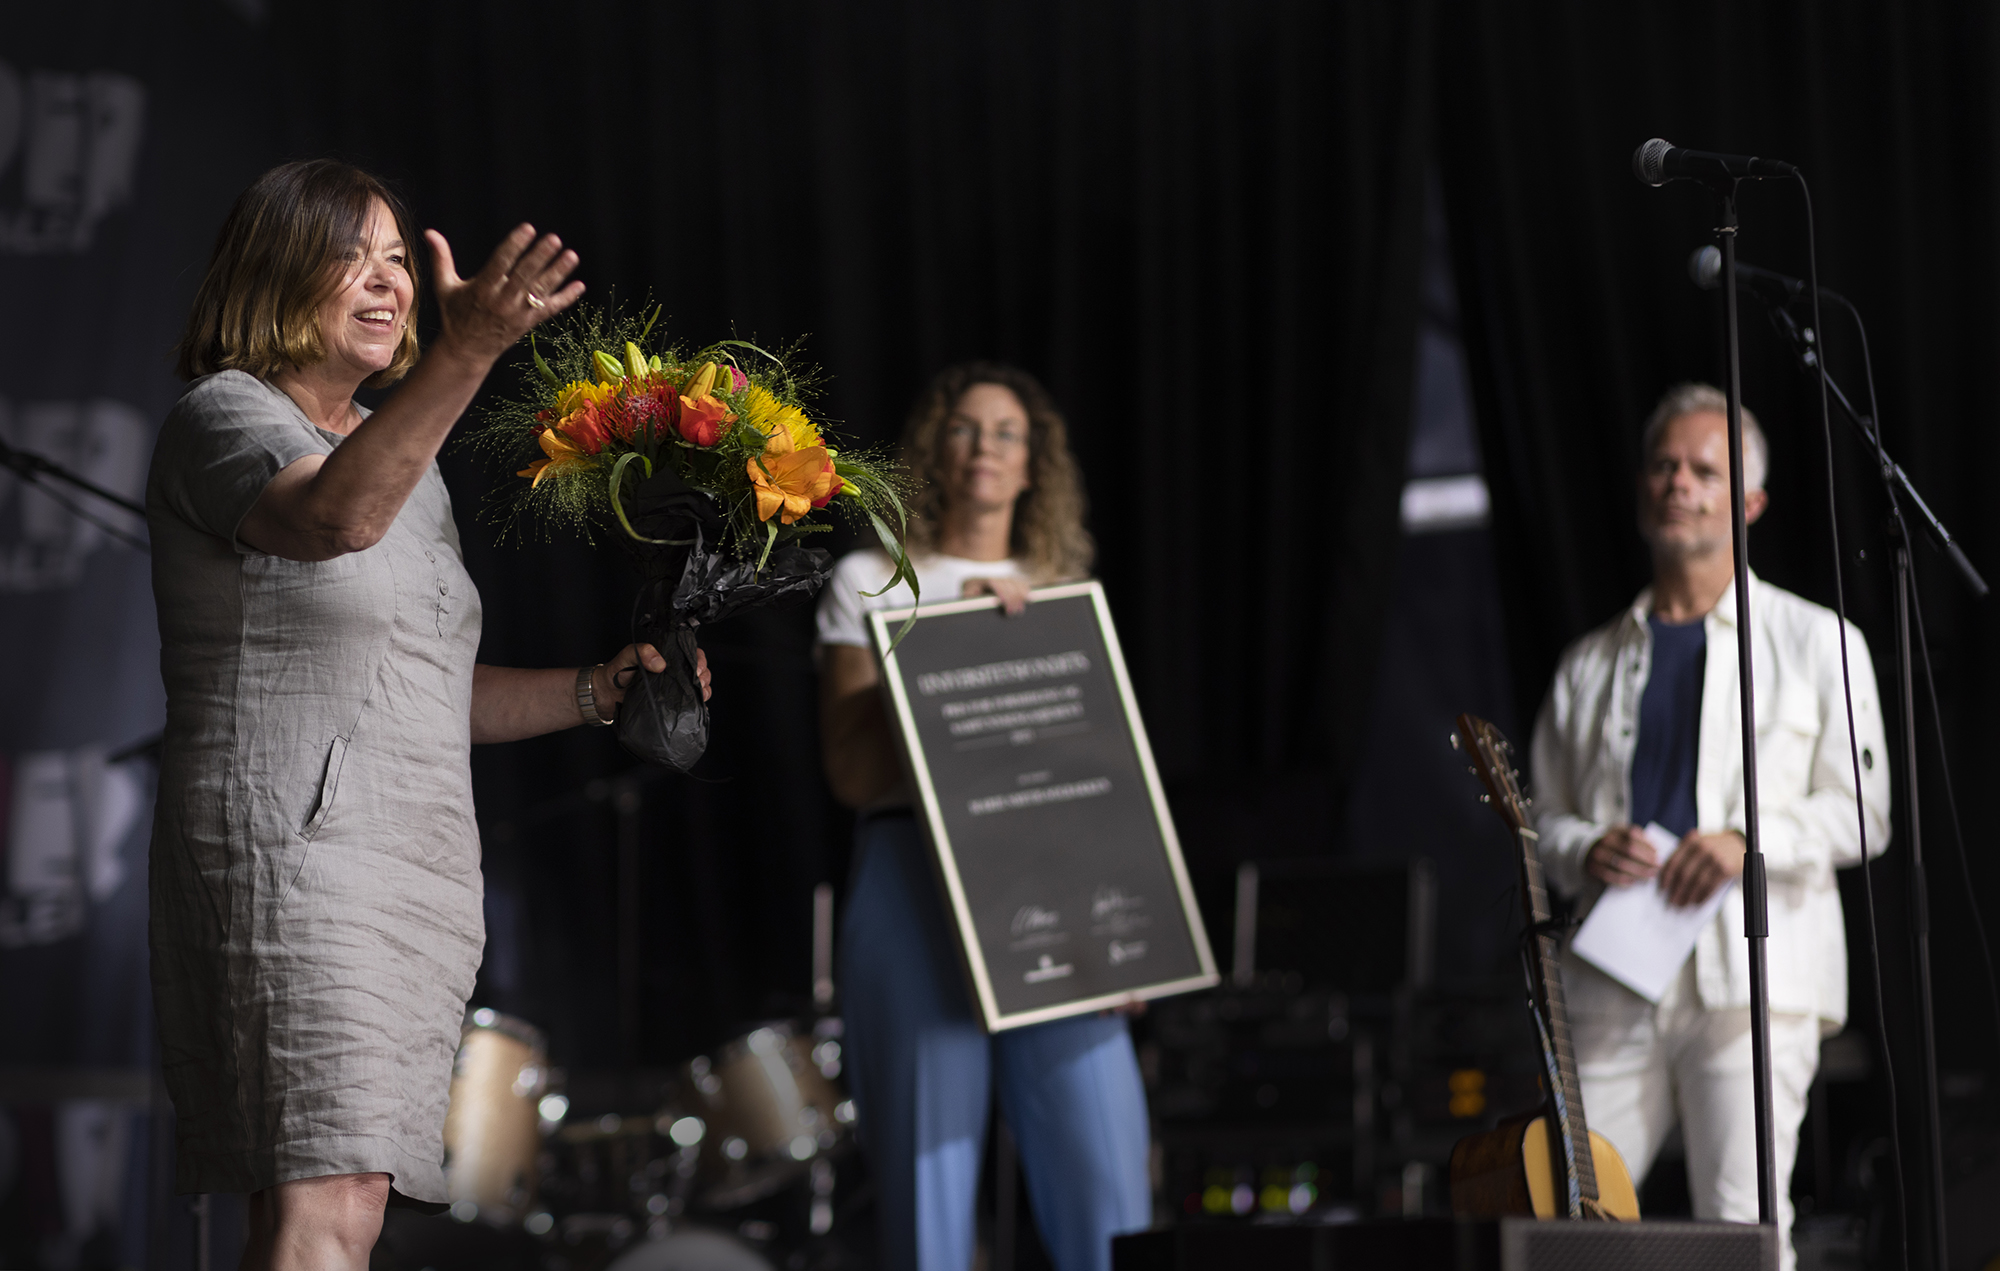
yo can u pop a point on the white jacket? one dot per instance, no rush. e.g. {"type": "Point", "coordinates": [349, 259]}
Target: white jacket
{"type": "Point", "coordinates": [1581, 767]}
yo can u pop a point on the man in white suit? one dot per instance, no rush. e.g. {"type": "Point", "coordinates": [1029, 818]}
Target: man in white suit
{"type": "Point", "coordinates": [1642, 726]}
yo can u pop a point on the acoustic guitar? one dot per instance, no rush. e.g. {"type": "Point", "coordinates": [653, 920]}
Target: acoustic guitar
{"type": "Point", "coordinates": [1551, 1165]}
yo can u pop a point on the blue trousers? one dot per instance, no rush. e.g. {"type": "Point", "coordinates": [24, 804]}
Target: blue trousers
{"type": "Point", "coordinates": [923, 1071]}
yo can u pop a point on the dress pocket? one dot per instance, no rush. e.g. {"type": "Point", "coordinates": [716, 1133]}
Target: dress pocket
{"type": "Point", "coordinates": [329, 783]}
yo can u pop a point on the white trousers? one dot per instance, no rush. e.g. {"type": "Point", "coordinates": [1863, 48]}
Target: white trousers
{"type": "Point", "coordinates": [1643, 1067]}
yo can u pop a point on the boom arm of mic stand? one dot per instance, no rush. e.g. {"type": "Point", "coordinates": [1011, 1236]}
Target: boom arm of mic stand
{"type": "Point", "coordinates": [1892, 472]}
{"type": "Point", "coordinates": [29, 466]}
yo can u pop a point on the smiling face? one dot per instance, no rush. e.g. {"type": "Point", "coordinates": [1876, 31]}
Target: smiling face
{"type": "Point", "coordinates": [361, 322]}
{"type": "Point", "coordinates": [1684, 489]}
{"type": "Point", "coordinates": [985, 451]}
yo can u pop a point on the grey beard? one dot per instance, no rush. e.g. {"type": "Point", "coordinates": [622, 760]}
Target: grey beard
{"type": "Point", "coordinates": [1682, 550]}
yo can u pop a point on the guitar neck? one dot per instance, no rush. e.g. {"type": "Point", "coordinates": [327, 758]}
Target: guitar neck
{"type": "Point", "coordinates": [1546, 973]}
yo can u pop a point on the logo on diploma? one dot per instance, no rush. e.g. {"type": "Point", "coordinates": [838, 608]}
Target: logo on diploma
{"type": "Point", "coordinates": [1049, 970]}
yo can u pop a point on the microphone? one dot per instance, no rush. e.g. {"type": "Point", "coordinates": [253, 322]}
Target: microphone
{"type": "Point", "coordinates": [1705, 269]}
{"type": "Point", "coordinates": [1659, 161]}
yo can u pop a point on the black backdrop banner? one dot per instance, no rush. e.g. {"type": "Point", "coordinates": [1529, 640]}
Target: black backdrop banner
{"type": "Point", "coordinates": [119, 154]}
{"type": "Point", "coordinates": [116, 166]}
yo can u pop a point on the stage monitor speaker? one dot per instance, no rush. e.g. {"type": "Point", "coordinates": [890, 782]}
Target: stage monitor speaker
{"type": "Point", "coordinates": [1453, 1244]}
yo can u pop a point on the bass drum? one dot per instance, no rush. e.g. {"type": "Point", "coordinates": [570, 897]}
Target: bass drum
{"type": "Point", "coordinates": [767, 1105]}
{"type": "Point", "coordinates": [692, 1249]}
{"type": "Point", "coordinates": [492, 1132]}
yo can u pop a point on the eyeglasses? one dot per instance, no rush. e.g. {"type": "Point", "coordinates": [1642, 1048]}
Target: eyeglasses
{"type": "Point", "coordinates": [1006, 436]}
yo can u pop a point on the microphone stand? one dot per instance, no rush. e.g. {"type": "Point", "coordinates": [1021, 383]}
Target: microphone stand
{"type": "Point", "coordinates": [1756, 909]}
{"type": "Point", "coordinates": [1806, 346]}
{"type": "Point", "coordinates": [31, 467]}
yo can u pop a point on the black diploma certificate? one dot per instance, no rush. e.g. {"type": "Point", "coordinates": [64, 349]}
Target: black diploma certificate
{"type": "Point", "coordinates": [1037, 790]}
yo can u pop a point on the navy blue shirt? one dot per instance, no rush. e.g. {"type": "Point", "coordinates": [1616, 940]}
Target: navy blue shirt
{"type": "Point", "coordinates": [1663, 762]}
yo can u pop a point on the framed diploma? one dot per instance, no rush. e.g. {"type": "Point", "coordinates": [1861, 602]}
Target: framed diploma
{"type": "Point", "coordinates": [1036, 787]}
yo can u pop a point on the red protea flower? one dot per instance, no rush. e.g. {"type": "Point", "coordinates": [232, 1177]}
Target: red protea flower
{"type": "Point", "coordinates": [653, 411]}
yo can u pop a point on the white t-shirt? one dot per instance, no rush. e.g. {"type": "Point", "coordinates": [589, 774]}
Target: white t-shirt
{"type": "Point", "coordinates": [843, 609]}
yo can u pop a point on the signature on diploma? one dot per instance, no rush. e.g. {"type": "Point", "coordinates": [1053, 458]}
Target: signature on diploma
{"type": "Point", "coordinates": [1113, 913]}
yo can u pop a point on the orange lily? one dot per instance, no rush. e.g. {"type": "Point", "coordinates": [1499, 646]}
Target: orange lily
{"type": "Point", "coordinates": [790, 482]}
{"type": "Point", "coordinates": [559, 451]}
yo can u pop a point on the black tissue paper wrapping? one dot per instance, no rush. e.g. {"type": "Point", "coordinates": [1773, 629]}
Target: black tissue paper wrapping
{"type": "Point", "coordinates": [663, 719]}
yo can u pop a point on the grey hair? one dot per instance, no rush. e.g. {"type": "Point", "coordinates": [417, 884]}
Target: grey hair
{"type": "Point", "coordinates": [1696, 399]}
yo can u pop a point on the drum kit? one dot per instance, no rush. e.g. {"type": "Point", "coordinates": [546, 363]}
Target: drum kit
{"type": "Point", "coordinates": [751, 1131]}
{"type": "Point", "coordinates": [760, 1116]}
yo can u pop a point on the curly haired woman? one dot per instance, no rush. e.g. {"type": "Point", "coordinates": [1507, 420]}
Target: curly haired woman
{"type": "Point", "coordinates": [1001, 510]}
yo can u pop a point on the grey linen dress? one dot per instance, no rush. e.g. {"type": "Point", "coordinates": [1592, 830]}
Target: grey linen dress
{"type": "Point", "coordinates": [316, 890]}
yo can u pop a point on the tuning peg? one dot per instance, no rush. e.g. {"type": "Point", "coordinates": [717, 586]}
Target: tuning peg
{"type": "Point", "coordinates": [1454, 741]}
{"type": "Point", "coordinates": [1486, 798]}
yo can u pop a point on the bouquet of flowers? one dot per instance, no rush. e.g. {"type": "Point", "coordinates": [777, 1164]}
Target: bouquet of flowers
{"type": "Point", "coordinates": [707, 466]}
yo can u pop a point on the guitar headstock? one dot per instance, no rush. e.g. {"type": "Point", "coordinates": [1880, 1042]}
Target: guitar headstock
{"type": "Point", "coordinates": [1492, 758]}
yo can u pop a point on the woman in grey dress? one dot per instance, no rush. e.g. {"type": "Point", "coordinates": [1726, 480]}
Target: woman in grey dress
{"type": "Point", "coordinates": [315, 881]}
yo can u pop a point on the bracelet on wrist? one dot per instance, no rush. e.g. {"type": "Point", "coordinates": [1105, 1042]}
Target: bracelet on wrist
{"type": "Point", "coordinates": [586, 696]}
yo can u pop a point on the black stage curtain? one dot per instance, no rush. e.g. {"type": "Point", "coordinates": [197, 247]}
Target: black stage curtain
{"type": "Point", "coordinates": [1200, 223]}
{"type": "Point", "coordinates": [1579, 314]}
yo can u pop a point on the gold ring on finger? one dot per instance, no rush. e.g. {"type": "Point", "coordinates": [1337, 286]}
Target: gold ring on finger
{"type": "Point", "coordinates": [535, 301]}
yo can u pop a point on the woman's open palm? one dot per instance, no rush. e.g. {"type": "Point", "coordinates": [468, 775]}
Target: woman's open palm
{"type": "Point", "coordinates": [516, 290]}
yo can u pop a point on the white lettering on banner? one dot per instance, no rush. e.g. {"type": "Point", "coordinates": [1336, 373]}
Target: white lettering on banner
{"type": "Point", "coordinates": [979, 724]}
{"type": "Point", "coordinates": [70, 814]}
{"type": "Point", "coordinates": [76, 137]}
{"type": "Point", "coordinates": [1011, 701]}
{"type": "Point", "coordinates": [1035, 796]}
{"type": "Point", "coordinates": [996, 674]}
{"type": "Point", "coordinates": [43, 545]}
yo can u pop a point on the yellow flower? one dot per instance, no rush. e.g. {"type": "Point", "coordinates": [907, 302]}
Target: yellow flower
{"type": "Point", "coordinates": [560, 454]}
{"type": "Point", "coordinates": [770, 416]}
{"type": "Point", "coordinates": [579, 393]}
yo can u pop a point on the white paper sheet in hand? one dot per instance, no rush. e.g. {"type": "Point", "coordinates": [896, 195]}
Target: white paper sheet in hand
{"type": "Point", "coordinates": [1634, 936]}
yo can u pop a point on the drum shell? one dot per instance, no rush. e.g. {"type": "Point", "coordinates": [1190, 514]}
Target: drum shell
{"type": "Point", "coordinates": [765, 1090]}
{"type": "Point", "coordinates": [492, 1131]}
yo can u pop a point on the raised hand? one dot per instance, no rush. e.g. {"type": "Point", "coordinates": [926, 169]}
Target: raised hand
{"type": "Point", "coordinates": [520, 286]}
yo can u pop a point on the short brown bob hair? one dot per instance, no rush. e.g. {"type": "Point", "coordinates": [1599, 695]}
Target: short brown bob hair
{"type": "Point", "coordinates": [279, 255]}
{"type": "Point", "coordinates": [1049, 536]}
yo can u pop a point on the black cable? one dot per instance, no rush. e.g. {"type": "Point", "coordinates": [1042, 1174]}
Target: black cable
{"type": "Point", "coordinates": [1930, 682]}
{"type": "Point", "coordinates": [1853, 743]}
{"type": "Point", "coordinates": [1951, 803]}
